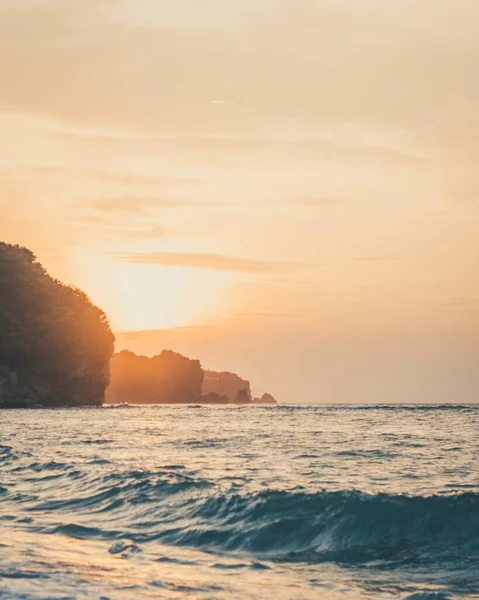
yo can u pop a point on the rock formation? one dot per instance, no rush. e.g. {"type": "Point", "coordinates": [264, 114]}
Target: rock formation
{"type": "Point", "coordinates": [229, 385]}
{"type": "Point", "coordinates": [265, 399]}
{"type": "Point", "coordinates": [168, 378]}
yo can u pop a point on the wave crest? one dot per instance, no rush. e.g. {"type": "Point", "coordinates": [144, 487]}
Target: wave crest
{"type": "Point", "coordinates": [327, 526]}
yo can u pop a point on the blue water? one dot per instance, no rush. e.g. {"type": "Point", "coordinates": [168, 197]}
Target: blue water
{"type": "Point", "coordinates": [243, 502]}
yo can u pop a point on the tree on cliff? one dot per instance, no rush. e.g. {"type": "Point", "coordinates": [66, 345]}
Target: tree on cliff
{"type": "Point", "coordinates": [51, 335]}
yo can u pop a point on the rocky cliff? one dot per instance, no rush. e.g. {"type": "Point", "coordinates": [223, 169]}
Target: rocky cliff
{"type": "Point", "coordinates": [168, 378]}
{"type": "Point", "coordinates": [55, 345]}
{"type": "Point", "coordinates": [265, 399]}
{"type": "Point", "coordinates": [236, 389]}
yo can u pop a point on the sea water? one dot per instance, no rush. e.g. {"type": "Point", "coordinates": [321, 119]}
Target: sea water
{"type": "Point", "coordinates": [280, 502]}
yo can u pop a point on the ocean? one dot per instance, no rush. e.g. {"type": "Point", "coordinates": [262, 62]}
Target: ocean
{"type": "Point", "coordinates": [280, 502]}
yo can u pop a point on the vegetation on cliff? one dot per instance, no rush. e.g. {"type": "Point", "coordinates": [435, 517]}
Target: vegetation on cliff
{"type": "Point", "coordinates": [55, 345]}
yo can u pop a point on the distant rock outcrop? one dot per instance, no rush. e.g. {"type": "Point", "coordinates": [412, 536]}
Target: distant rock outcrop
{"type": "Point", "coordinates": [236, 389]}
{"type": "Point", "coordinates": [55, 345]}
{"type": "Point", "coordinates": [168, 378]}
{"type": "Point", "coordinates": [265, 399]}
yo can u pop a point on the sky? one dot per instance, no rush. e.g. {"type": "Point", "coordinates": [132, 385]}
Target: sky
{"type": "Point", "coordinates": [287, 189]}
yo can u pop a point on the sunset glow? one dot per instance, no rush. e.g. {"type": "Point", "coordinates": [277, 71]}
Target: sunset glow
{"type": "Point", "coordinates": [160, 298]}
{"type": "Point", "coordinates": [269, 167]}
{"type": "Point", "coordinates": [239, 299]}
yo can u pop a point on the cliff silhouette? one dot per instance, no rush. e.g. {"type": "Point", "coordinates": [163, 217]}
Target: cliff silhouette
{"type": "Point", "coordinates": [227, 384]}
{"type": "Point", "coordinates": [265, 399]}
{"type": "Point", "coordinates": [56, 349]}
{"type": "Point", "coordinates": [170, 378]}
{"type": "Point", "coordinates": [55, 345]}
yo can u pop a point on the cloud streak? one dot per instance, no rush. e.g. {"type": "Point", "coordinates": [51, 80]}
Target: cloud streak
{"type": "Point", "coordinates": [142, 204]}
{"type": "Point", "coordinates": [97, 175]}
{"type": "Point", "coordinates": [215, 262]}
{"type": "Point", "coordinates": [318, 202]}
{"type": "Point", "coordinates": [131, 204]}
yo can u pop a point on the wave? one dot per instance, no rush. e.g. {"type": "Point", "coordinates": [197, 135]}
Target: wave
{"type": "Point", "coordinates": [176, 507]}
{"type": "Point", "coordinates": [343, 527]}
{"type": "Point", "coordinates": [391, 407]}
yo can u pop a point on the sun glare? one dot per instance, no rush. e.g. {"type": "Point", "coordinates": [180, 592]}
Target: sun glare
{"type": "Point", "coordinates": [148, 297]}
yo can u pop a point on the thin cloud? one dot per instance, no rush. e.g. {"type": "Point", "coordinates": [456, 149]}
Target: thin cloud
{"type": "Point", "coordinates": [318, 201]}
{"type": "Point", "coordinates": [141, 204]}
{"type": "Point", "coordinates": [140, 335]}
{"type": "Point", "coordinates": [102, 176]}
{"type": "Point", "coordinates": [135, 179]}
{"type": "Point", "coordinates": [215, 262]}
{"type": "Point", "coordinates": [463, 302]}
{"type": "Point", "coordinates": [145, 204]}
{"type": "Point", "coordinates": [95, 220]}
{"type": "Point", "coordinates": [376, 258]}
{"type": "Point", "coordinates": [129, 204]}
{"type": "Point", "coordinates": [264, 315]}
{"type": "Point", "coordinates": [108, 227]}
{"type": "Point", "coordinates": [150, 233]}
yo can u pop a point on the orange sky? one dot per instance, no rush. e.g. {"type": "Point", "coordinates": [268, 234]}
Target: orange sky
{"type": "Point", "coordinates": [284, 188]}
